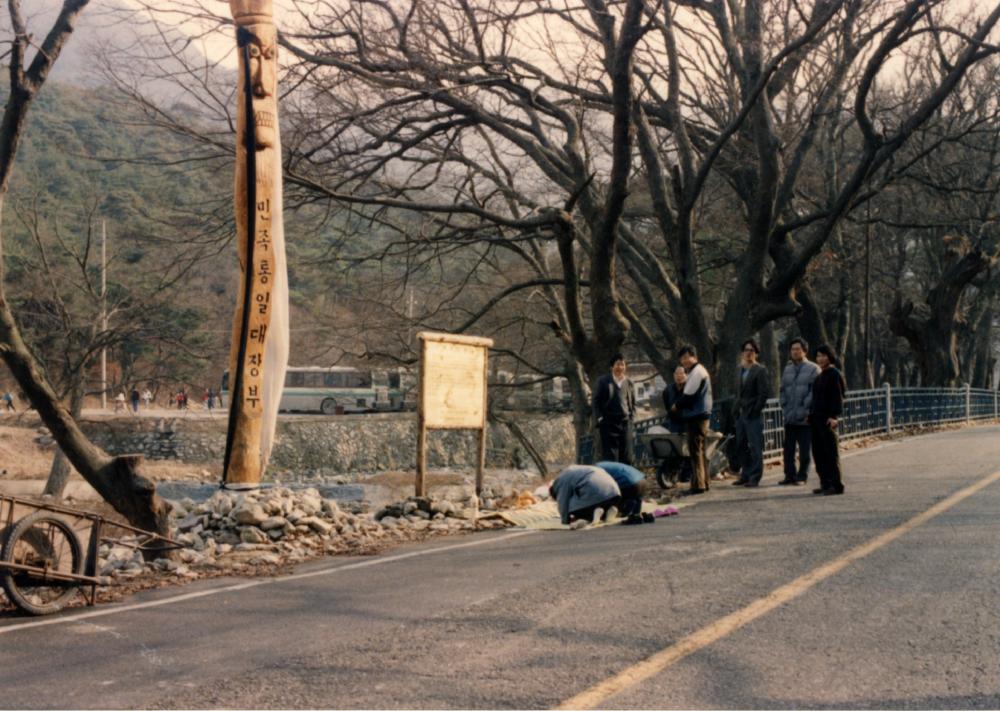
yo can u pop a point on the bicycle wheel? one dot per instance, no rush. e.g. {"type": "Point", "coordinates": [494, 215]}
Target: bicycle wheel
{"type": "Point", "coordinates": [41, 540]}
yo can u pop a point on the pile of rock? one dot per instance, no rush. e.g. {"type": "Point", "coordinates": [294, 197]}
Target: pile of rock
{"type": "Point", "coordinates": [268, 527]}
{"type": "Point", "coordinates": [422, 513]}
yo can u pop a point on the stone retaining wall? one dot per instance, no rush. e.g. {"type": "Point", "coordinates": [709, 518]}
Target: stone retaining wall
{"type": "Point", "coordinates": [324, 446]}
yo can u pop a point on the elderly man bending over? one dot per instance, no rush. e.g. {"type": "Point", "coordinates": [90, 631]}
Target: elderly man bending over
{"type": "Point", "coordinates": [585, 493]}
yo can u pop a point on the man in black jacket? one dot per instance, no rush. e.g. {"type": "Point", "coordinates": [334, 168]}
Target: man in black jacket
{"type": "Point", "coordinates": [614, 411]}
{"type": "Point", "coordinates": [750, 401]}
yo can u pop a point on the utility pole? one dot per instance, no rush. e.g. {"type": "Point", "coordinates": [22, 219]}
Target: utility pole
{"type": "Point", "coordinates": [104, 314]}
{"type": "Point", "coordinates": [869, 370]}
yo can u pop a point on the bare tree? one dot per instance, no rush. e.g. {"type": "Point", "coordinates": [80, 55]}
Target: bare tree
{"type": "Point", "coordinates": [116, 479]}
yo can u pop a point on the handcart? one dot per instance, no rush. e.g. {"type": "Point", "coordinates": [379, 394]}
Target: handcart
{"type": "Point", "coordinates": [42, 560]}
{"type": "Point", "coordinates": [671, 452]}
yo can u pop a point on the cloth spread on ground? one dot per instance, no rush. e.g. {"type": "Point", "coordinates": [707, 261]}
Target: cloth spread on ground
{"type": "Point", "coordinates": [544, 516]}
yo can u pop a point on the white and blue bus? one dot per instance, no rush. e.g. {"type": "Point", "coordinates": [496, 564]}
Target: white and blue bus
{"type": "Point", "coordinates": [337, 390]}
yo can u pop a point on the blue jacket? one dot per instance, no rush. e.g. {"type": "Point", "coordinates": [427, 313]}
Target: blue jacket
{"type": "Point", "coordinates": [623, 474]}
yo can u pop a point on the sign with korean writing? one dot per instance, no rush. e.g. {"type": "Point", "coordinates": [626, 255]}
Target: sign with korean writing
{"type": "Point", "coordinates": [454, 384]}
{"type": "Point", "coordinates": [452, 394]}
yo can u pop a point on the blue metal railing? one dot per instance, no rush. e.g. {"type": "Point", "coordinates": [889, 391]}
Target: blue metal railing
{"type": "Point", "coordinates": [866, 413]}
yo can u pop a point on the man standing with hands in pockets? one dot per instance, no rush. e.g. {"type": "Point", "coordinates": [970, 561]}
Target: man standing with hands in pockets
{"type": "Point", "coordinates": [796, 397]}
{"type": "Point", "coordinates": [751, 399]}
{"type": "Point", "coordinates": [614, 411]}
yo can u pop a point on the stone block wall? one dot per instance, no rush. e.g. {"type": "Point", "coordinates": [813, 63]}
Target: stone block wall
{"type": "Point", "coordinates": [325, 446]}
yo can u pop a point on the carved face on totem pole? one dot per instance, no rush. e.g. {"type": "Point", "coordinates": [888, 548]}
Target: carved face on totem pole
{"type": "Point", "coordinates": [256, 32]}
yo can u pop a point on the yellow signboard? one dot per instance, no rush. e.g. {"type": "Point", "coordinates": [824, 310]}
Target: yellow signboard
{"type": "Point", "coordinates": [452, 393]}
{"type": "Point", "coordinates": [454, 383]}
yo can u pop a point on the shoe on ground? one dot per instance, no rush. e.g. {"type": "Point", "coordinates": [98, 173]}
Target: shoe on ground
{"type": "Point", "coordinates": [694, 492]}
{"type": "Point", "coordinates": [751, 484]}
{"type": "Point", "coordinates": [648, 517]}
{"type": "Point", "coordinates": [786, 482]}
{"type": "Point", "coordinates": [598, 515]}
{"type": "Point", "coordinates": [612, 514]}
{"type": "Point", "coordinates": [578, 524]}
{"type": "Point", "coordinates": [820, 491]}
{"type": "Point", "coordinates": [833, 492]}
{"type": "Point", "coordinates": [739, 482]}
{"type": "Point", "coordinates": [633, 520]}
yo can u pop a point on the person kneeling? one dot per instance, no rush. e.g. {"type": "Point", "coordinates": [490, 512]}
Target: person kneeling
{"type": "Point", "coordinates": [632, 484]}
{"type": "Point", "coordinates": [585, 493]}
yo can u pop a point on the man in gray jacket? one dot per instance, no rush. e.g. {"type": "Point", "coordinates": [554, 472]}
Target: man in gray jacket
{"type": "Point", "coordinates": [585, 493]}
{"type": "Point", "coordinates": [796, 395]}
{"type": "Point", "coordinates": [750, 401]}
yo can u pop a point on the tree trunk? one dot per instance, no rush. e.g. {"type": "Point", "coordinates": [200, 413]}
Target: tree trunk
{"type": "Point", "coordinates": [525, 441]}
{"type": "Point", "coordinates": [60, 472]}
{"type": "Point", "coordinates": [983, 346]}
{"type": "Point", "coordinates": [809, 319]}
{"type": "Point", "coordinates": [116, 479]}
{"type": "Point", "coordinates": [770, 356]}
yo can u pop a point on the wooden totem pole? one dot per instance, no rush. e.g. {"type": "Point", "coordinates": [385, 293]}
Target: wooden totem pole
{"type": "Point", "coordinates": [259, 352]}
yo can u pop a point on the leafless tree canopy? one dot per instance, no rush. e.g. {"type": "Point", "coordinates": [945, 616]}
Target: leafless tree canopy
{"type": "Point", "coordinates": [632, 173]}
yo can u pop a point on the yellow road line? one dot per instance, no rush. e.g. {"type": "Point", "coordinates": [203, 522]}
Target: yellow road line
{"type": "Point", "coordinates": [722, 627]}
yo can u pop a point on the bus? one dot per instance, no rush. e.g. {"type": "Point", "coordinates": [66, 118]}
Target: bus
{"type": "Point", "coordinates": [337, 390]}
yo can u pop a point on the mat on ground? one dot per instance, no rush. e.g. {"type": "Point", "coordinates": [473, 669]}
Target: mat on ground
{"type": "Point", "coordinates": [545, 516]}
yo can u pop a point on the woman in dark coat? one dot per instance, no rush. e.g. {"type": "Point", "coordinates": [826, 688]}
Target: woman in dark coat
{"type": "Point", "coordinates": [671, 396]}
{"type": "Point", "coordinates": [824, 411]}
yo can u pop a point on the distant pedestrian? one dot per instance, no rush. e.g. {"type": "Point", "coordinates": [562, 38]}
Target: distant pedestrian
{"type": "Point", "coordinates": [796, 397]}
{"type": "Point", "coordinates": [184, 399]}
{"type": "Point", "coordinates": [824, 411]}
{"type": "Point", "coordinates": [134, 395]}
{"type": "Point", "coordinates": [8, 402]}
{"type": "Point", "coordinates": [584, 493]}
{"type": "Point", "coordinates": [751, 398]}
{"type": "Point", "coordinates": [614, 412]}
{"type": "Point", "coordinates": [695, 406]}
{"type": "Point", "coordinates": [147, 398]}
{"type": "Point", "coordinates": [210, 399]}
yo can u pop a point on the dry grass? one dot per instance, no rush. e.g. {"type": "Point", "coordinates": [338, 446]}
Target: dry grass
{"type": "Point", "coordinates": [24, 459]}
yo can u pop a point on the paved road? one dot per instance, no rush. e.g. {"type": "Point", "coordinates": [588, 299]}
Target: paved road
{"type": "Point", "coordinates": [529, 620]}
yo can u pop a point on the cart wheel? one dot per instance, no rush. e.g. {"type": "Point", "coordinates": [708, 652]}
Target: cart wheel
{"type": "Point", "coordinates": [45, 541]}
{"type": "Point", "coordinates": [666, 476]}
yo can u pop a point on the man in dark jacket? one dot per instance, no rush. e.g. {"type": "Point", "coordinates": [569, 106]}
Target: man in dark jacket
{"type": "Point", "coordinates": [614, 412]}
{"type": "Point", "coordinates": [750, 401]}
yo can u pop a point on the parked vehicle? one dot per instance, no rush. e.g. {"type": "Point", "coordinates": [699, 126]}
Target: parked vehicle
{"type": "Point", "coordinates": [337, 390]}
